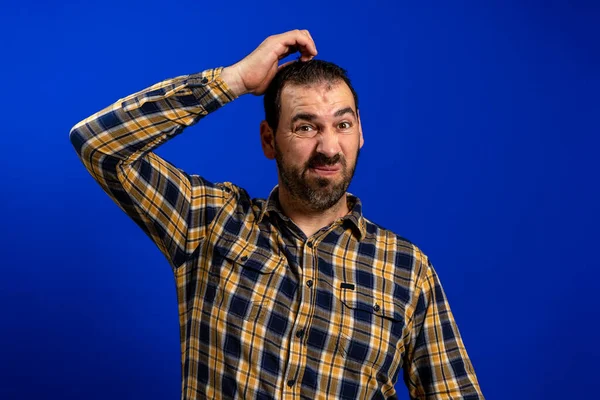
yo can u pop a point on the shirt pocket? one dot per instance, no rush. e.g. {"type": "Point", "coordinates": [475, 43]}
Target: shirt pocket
{"type": "Point", "coordinates": [371, 326]}
{"type": "Point", "coordinates": [242, 274]}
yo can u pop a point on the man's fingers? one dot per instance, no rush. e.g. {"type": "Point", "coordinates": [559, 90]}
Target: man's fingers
{"type": "Point", "coordinates": [307, 33]}
{"type": "Point", "coordinates": [310, 48]}
{"type": "Point", "coordinates": [299, 41]}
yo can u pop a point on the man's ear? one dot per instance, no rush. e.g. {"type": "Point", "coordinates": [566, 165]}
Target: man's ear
{"type": "Point", "coordinates": [267, 140]}
{"type": "Point", "coordinates": [362, 140]}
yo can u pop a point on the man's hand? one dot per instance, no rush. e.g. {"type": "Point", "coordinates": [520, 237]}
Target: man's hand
{"type": "Point", "coordinates": [254, 73]}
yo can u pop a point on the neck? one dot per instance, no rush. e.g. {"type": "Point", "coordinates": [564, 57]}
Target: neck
{"type": "Point", "coordinates": [308, 220]}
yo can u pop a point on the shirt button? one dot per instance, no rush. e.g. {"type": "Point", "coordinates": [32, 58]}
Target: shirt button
{"type": "Point", "coordinates": [300, 333]}
{"type": "Point", "coordinates": [291, 382]}
{"type": "Point", "coordinates": [309, 283]}
{"type": "Point", "coordinates": [244, 258]}
{"type": "Point", "coordinates": [310, 244]}
{"type": "Point", "coordinates": [204, 80]}
{"type": "Point", "coordinates": [376, 307]}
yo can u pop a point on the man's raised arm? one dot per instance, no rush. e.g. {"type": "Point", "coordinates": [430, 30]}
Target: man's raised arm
{"type": "Point", "coordinates": [116, 145]}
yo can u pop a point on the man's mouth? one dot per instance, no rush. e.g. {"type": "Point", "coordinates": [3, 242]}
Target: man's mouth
{"type": "Point", "coordinates": [326, 169]}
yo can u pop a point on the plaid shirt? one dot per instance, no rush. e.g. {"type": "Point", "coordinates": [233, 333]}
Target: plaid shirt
{"type": "Point", "coordinates": [264, 311]}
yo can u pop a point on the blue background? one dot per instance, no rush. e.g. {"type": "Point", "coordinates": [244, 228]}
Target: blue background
{"type": "Point", "coordinates": [481, 142]}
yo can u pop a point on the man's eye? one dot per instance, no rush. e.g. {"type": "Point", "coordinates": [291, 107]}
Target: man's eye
{"type": "Point", "coordinates": [304, 128]}
{"type": "Point", "coordinates": [344, 125]}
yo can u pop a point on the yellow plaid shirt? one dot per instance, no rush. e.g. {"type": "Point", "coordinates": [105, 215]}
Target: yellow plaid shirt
{"type": "Point", "coordinates": [264, 311]}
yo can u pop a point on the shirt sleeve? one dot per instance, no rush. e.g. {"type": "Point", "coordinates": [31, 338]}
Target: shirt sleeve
{"type": "Point", "coordinates": [437, 365]}
{"type": "Point", "coordinates": [116, 144]}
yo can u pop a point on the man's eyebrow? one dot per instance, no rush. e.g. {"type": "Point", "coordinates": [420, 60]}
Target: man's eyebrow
{"type": "Point", "coordinates": [304, 116]}
{"type": "Point", "coordinates": [312, 117]}
{"type": "Point", "coordinates": [347, 110]}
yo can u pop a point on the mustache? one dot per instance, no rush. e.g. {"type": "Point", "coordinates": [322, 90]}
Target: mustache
{"type": "Point", "coordinates": [320, 160]}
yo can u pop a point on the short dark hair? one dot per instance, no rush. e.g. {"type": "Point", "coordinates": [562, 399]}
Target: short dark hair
{"type": "Point", "coordinates": [301, 73]}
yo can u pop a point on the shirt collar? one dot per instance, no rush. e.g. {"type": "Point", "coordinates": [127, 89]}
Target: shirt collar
{"type": "Point", "coordinates": [354, 217]}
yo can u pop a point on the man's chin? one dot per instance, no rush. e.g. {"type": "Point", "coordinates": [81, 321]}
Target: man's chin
{"type": "Point", "coordinates": [324, 178]}
{"type": "Point", "coordinates": [322, 184]}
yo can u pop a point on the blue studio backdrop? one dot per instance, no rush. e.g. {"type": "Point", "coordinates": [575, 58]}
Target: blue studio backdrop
{"type": "Point", "coordinates": [481, 140]}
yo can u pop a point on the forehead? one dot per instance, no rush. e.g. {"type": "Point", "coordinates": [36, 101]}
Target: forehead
{"type": "Point", "coordinates": [318, 98]}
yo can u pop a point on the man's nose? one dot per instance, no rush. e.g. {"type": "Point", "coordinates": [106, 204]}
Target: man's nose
{"type": "Point", "coordinates": [328, 143]}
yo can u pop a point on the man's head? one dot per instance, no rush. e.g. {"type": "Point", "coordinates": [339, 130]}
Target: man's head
{"type": "Point", "coordinates": [313, 131]}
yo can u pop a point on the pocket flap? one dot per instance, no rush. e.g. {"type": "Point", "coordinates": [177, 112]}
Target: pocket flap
{"type": "Point", "coordinates": [246, 254]}
{"type": "Point", "coordinates": [372, 300]}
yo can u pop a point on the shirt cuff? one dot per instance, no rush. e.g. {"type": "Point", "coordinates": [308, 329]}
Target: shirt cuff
{"type": "Point", "coordinates": [211, 79]}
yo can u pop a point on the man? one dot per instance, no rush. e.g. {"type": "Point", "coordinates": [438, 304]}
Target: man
{"type": "Point", "coordinates": [296, 296]}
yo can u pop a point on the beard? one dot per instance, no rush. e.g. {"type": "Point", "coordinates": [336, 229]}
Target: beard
{"type": "Point", "coordinates": [315, 193]}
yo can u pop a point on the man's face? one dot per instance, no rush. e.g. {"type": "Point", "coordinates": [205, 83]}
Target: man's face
{"type": "Point", "coordinates": [317, 143]}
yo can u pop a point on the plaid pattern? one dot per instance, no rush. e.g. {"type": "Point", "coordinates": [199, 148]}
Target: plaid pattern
{"type": "Point", "coordinates": [265, 312]}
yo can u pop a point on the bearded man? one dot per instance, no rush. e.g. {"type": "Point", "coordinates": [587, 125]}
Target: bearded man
{"type": "Point", "coordinates": [296, 296]}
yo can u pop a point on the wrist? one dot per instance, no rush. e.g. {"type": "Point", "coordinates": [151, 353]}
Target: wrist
{"type": "Point", "coordinates": [233, 80]}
